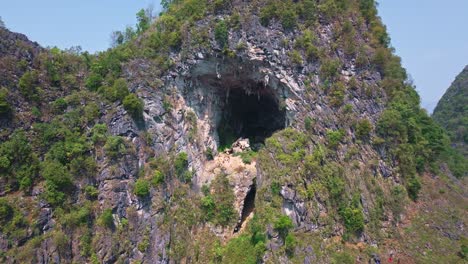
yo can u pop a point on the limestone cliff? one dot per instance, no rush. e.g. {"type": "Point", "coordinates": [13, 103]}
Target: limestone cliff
{"type": "Point", "coordinates": [225, 132]}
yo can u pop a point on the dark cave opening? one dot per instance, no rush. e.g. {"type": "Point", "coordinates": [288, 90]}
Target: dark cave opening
{"type": "Point", "coordinates": [249, 206]}
{"type": "Point", "coordinates": [251, 112]}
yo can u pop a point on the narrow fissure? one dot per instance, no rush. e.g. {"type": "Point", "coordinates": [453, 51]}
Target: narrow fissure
{"type": "Point", "coordinates": [249, 207]}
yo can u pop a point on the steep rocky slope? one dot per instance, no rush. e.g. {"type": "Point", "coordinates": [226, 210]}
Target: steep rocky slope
{"type": "Point", "coordinates": [226, 132]}
{"type": "Point", "coordinates": [452, 113]}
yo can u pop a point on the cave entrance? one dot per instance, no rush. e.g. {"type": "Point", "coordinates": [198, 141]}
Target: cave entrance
{"type": "Point", "coordinates": [249, 206]}
{"type": "Point", "coordinates": [251, 111]}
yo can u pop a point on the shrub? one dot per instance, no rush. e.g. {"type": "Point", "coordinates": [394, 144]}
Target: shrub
{"type": "Point", "coordinates": [353, 219]}
{"type": "Point", "coordinates": [397, 199]}
{"type": "Point", "coordinates": [308, 123]}
{"type": "Point", "coordinates": [241, 250]}
{"type": "Point", "coordinates": [181, 163]}
{"type": "Point", "coordinates": [91, 192]}
{"type": "Point", "coordinates": [61, 241]}
{"type": "Point", "coordinates": [208, 206]}
{"type": "Point", "coordinates": [329, 69]}
{"type": "Point", "coordinates": [141, 188]}
{"type": "Point", "coordinates": [143, 21]}
{"type": "Point", "coordinates": [289, 18]}
{"type": "Point", "coordinates": [463, 253]}
{"type": "Point", "coordinates": [77, 216]}
{"type": "Point", "coordinates": [59, 105]}
{"type": "Point", "coordinates": [267, 13]}
{"type": "Point", "coordinates": [342, 258]}
{"type": "Point", "coordinates": [337, 94]}
{"type": "Point", "coordinates": [290, 243]}
{"type": "Point", "coordinates": [94, 81]}
{"type": "Point", "coordinates": [413, 186]}
{"type": "Point", "coordinates": [28, 85]}
{"type": "Point", "coordinates": [58, 181]}
{"type": "Point", "coordinates": [120, 88]}
{"type": "Point", "coordinates": [118, 91]}
{"type": "Point", "coordinates": [218, 205]}
{"type": "Point", "coordinates": [56, 173]}
{"type": "Point", "coordinates": [133, 105]}
{"type": "Point", "coordinates": [334, 137]}
{"type": "Point", "coordinates": [6, 211]}
{"type": "Point", "coordinates": [335, 186]}
{"type": "Point", "coordinates": [363, 128]}
{"type": "Point", "coordinates": [106, 219]}
{"type": "Point", "coordinates": [328, 8]}
{"type": "Point", "coordinates": [5, 107]}
{"type": "Point", "coordinates": [143, 245]}
{"type": "Point", "coordinates": [312, 53]}
{"type": "Point", "coordinates": [158, 178]}
{"type": "Point", "coordinates": [187, 176]}
{"type": "Point", "coordinates": [98, 133]}
{"type": "Point", "coordinates": [368, 9]}
{"type": "Point", "coordinates": [115, 146]}
{"type": "Point", "coordinates": [283, 224]}
{"type": "Point", "coordinates": [309, 11]}
{"type": "Point", "coordinates": [209, 154]}
{"type": "Point", "coordinates": [296, 57]}
{"type": "Point", "coordinates": [247, 156]}
{"type": "Point", "coordinates": [221, 33]}
{"type": "Point", "coordinates": [17, 161]}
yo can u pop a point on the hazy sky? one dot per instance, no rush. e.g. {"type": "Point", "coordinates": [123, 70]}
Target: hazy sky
{"type": "Point", "coordinates": [431, 36]}
{"type": "Point", "coordinates": [66, 23]}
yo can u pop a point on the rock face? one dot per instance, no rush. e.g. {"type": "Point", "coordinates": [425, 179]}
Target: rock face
{"type": "Point", "coordinates": [284, 107]}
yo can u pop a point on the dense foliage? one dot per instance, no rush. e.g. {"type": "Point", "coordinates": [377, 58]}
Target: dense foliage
{"type": "Point", "coordinates": [452, 111]}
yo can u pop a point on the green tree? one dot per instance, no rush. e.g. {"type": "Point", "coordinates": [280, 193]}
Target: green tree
{"type": "Point", "coordinates": [106, 219]}
{"type": "Point", "coordinates": [94, 81]}
{"type": "Point", "coordinates": [221, 33]}
{"type": "Point", "coordinates": [289, 18]}
{"type": "Point", "coordinates": [5, 107]}
{"type": "Point", "coordinates": [6, 211]}
{"type": "Point", "coordinates": [353, 219]}
{"type": "Point", "coordinates": [334, 137]}
{"type": "Point", "coordinates": [363, 128]}
{"type": "Point", "coordinates": [143, 21]}
{"type": "Point", "coordinates": [282, 224]}
{"type": "Point", "coordinates": [58, 181]}
{"type": "Point", "coordinates": [28, 85]}
{"type": "Point", "coordinates": [181, 163]}
{"type": "Point", "coordinates": [158, 178]}
{"type": "Point", "coordinates": [133, 105]}
{"type": "Point", "coordinates": [115, 146]}
{"type": "Point", "coordinates": [141, 188]}
{"type": "Point", "coordinates": [99, 133]}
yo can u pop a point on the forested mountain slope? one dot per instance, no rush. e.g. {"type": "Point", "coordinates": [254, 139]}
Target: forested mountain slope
{"type": "Point", "coordinates": [269, 131]}
{"type": "Point", "coordinates": [452, 111]}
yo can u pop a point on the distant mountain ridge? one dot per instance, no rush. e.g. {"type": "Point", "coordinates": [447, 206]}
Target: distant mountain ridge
{"type": "Point", "coordinates": [452, 111]}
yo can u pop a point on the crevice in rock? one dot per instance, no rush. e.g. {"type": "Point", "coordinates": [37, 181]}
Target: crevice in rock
{"type": "Point", "coordinates": [248, 208]}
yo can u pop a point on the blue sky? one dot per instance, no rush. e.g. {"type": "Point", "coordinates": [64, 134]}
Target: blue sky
{"type": "Point", "coordinates": [66, 23]}
{"type": "Point", "coordinates": [429, 35]}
